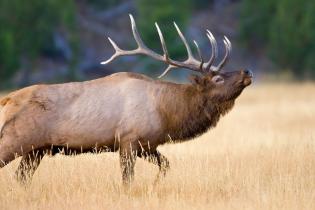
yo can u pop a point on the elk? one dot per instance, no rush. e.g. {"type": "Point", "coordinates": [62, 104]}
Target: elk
{"type": "Point", "coordinates": [126, 112]}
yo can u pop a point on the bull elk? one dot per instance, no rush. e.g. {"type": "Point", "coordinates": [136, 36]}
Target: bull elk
{"type": "Point", "coordinates": [128, 112]}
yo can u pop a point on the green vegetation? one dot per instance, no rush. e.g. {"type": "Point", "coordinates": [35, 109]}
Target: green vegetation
{"type": "Point", "coordinates": [286, 29]}
{"type": "Point", "coordinates": [27, 30]}
{"type": "Point", "coordinates": [283, 30]}
{"type": "Point", "coordinates": [102, 4]}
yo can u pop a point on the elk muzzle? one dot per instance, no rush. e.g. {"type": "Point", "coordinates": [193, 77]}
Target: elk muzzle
{"type": "Point", "coordinates": [247, 77]}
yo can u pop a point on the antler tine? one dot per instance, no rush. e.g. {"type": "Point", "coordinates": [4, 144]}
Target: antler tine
{"type": "Point", "coordinates": [228, 48]}
{"type": "Point", "coordinates": [191, 59]}
{"type": "Point", "coordinates": [229, 43]}
{"type": "Point", "coordinates": [135, 33]}
{"type": "Point", "coordinates": [199, 54]}
{"type": "Point", "coordinates": [169, 68]}
{"type": "Point", "coordinates": [214, 42]}
{"type": "Point", "coordinates": [214, 50]}
{"type": "Point", "coordinates": [116, 54]}
{"type": "Point", "coordinates": [166, 55]}
{"type": "Point", "coordinates": [165, 51]}
{"type": "Point", "coordinates": [142, 48]}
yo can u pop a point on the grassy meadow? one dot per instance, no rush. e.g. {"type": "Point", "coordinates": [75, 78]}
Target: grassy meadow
{"type": "Point", "coordinates": [260, 156]}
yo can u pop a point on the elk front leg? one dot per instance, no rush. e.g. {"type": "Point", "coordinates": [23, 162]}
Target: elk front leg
{"type": "Point", "coordinates": [9, 150]}
{"type": "Point", "coordinates": [127, 162]}
{"type": "Point", "coordinates": [28, 166]}
{"type": "Point", "coordinates": [157, 158]}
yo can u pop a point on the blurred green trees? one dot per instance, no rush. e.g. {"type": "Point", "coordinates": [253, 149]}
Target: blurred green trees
{"type": "Point", "coordinates": [27, 30]}
{"type": "Point", "coordinates": [103, 4]}
{"type": "Point", "coordinates": [286, 28]}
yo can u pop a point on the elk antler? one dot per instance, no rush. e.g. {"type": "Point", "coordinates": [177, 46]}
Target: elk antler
{"type": "Point", "coordinates": [190, 63]}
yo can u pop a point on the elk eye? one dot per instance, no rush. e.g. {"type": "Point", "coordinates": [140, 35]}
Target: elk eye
{"type": "Point", "coordinates": [218, 79]}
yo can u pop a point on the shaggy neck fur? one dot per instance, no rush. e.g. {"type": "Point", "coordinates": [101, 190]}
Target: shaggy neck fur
{"type": "Point", "coordinates": [188, 112]}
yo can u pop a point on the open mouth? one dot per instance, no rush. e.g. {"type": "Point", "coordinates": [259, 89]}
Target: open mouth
{"type": "Point", "coordinates": [247, 80]}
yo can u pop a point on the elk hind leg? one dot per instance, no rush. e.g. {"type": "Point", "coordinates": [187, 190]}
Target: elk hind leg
{"type": "Point", "coordinates": [158, 159]}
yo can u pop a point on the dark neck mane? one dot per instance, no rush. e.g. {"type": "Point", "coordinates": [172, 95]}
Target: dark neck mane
{"type": "Point", "coordinates": [188, 113]}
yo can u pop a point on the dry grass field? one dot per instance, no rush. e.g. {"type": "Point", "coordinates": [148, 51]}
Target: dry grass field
{"type": "Point", "coordinates": [260, 156]}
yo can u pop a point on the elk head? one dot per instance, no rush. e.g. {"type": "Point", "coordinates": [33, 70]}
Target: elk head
{"type": "Point", "coordinates": [220, 85]}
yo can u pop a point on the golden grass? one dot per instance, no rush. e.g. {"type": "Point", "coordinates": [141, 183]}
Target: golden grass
{"type": "Point", "coordinates": [260, 156]}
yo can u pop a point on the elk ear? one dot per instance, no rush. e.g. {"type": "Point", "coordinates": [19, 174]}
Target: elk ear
{"type": "Point", "coordinates": [196, 80]}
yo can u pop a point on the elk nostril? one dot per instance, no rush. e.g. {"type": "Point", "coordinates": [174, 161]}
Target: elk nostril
{"type": "Point", "coordinates": [248, 72]}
